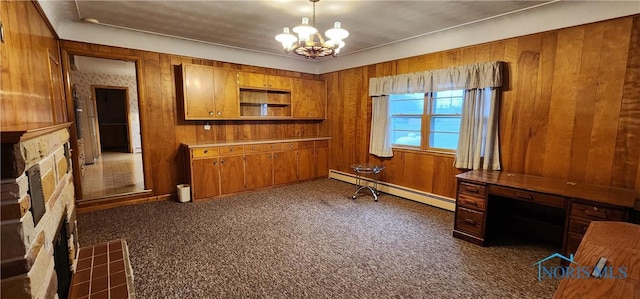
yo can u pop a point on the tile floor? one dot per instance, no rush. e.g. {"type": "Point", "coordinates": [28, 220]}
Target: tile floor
{"type": "Point", "coordinates": [112, 174]}
{"type": "Point", "coordinates": [103, 271]}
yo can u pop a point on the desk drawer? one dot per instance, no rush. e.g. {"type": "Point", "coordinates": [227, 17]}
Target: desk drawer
{"type": "Point", "coordinates": [469, 221]}
{"type": "Point", "coordinates": [471, 202]}
{"type": "Point", "coordinates": [540, 198]}
{"type": "Point", "coordinates": [578, 227]}
{"type": "Point", "coordinates": [204, 152]}
{"type": "Point", "coordinates": [596, 212]}
{"type": "Point", "coordinates": [472, 189]}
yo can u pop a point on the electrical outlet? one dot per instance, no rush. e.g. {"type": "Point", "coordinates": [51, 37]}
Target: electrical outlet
{"type": "Point", "coordinates": [207, 126]}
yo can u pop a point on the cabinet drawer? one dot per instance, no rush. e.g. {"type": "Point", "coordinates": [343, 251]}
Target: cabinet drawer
{"type": "Point", "coordinates": [290, 145]}
{"type": "Point", "coordinates": [596, 212]}
{"type": "Point", "coordinates": [270, 147]}
{"type": "Point", "coordinates": [541, 198]}
{"type": "Point", "coordinates": [204, 152]}
{"type": "Point", "coordinates": [469, 221]}
{"type": "Point", "coordinates": [322, 143]}
{"type": "Point", "coordinates": [230, 150]}
{"type": "Point", "coordinates": [471, 202]}
{"type": "Point", "coordinates": [305, 144]}
{"type": "Point", "coordinates": [252, 148]}
{"type": "Point", "coordinates": [472, 189]}
{"type": "Point", "coordinates": [578, 227]}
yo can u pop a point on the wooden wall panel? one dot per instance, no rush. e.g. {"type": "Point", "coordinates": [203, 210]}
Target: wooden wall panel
{"type": "Point", "coordinates": [627, 150]}
{"type": "Point", "coordinates": [570, 108]}
{"type": "Point", "coordinates": [25, 75]}
{"type": "Point", "coordinates": [167, 129]}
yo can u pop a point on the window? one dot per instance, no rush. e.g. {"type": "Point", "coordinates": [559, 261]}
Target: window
{"type": "Point", "coordinates": [437, 114]}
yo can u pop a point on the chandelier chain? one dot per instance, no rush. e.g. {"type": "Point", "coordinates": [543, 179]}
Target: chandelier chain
{"type": "Point", "coordinates": [314, 14]}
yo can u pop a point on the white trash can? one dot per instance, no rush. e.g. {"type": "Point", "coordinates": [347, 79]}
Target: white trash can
{"type": "Point", "coordinates": [184, 193]}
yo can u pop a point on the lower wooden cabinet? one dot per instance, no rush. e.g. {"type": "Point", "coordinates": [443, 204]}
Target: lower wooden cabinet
{"type": "Point", "coordinates": [285, 167]}
{"type": "Point", "coordinates": [218, 170]}
{"type": "Point", "coordinates": [231, 174]}
{"type": "Point", "coordinates": [205, 183]}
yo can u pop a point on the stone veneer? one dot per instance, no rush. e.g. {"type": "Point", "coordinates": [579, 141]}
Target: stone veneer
{"type": "Point", "coordinates": [27, 249]}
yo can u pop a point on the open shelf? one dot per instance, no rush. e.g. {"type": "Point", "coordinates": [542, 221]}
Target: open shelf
{"type": "Point", "coordinates": [265, 103]}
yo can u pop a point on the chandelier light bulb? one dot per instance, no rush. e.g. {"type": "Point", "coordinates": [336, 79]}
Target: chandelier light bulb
{"type": "Point", "coordinates": [286, 39]}
{"type": "Point", "coordinates": [337, 33]}
{"type": "Point", "coordinates": [304, 30]}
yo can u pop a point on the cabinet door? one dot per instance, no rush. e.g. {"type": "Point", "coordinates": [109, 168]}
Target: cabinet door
{"type": "Point", "coordinates": [198, 91]}
{"type": "Point", "coordinates": [300, 98]}
{"type": "Point", "coordinates": [317, 100]}
{"type": "Point", "coordinates": [279, 82]}
{"type": "Point", "coordinates": [205, 181]}
{"type": "Point", "coordinates": [285, 167]}
{"type": "Point", "coordinates": [306, 164]}
{"type": "Point", "coordinates": [252, 80]}
{"type": "Point", "coordinates": [231, 174]}
{"type": "Point", "coordinates": [259, 170]}
{"type": "Point", "coordinates": [309, 99]}
{"type": "Point", "coordinates": [322, 161]}
{"type": "Point", "coordinates": [226, 97]}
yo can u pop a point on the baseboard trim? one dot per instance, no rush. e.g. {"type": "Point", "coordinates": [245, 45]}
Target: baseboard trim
{"type": "Point", "coordinates": [90, 206]}
{"type": "Point", "coordinates": [404, 192]}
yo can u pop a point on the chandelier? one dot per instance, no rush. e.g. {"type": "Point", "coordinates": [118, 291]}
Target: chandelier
{"type": "Point", "coordinates": [310, 42]}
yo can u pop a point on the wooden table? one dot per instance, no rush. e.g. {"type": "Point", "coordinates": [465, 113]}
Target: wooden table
{"type": "Point", "coordinates": [619, 243]}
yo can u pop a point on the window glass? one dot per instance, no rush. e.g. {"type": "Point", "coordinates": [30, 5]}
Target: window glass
{"type": "Point", "coordinates": [406, 118]}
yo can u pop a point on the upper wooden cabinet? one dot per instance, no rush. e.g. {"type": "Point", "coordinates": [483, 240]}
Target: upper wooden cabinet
{"type": "Point", "coordinates": [263, 81]}
{"type": "Point", "coordinates": [309, 99]}
{"type": "Point", "coordinates": [209, 93]}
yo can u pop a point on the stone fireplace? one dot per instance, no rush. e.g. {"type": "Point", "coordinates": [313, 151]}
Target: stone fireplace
{"type": "Point", "coordinates": [38, 214]}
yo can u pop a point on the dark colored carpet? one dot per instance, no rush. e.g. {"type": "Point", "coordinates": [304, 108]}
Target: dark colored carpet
{"type": "Point", "coordinates": [311, 240]}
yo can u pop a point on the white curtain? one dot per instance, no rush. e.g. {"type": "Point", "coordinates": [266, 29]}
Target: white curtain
{"type": "Point", "coordinates": [380, 141]}
{"type": "Point", "coordinates": [478, 146]}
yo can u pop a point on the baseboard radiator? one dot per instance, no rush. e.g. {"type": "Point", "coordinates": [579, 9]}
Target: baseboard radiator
{"type": "Point", "coordinates": [400, 191]}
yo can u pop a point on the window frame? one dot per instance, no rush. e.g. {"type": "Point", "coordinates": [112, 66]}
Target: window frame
{"type": "Point", "coordinates": [425, 130]}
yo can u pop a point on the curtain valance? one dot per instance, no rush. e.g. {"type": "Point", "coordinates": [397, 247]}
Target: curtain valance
{"type": "Point", "coordinates": [472, 76]}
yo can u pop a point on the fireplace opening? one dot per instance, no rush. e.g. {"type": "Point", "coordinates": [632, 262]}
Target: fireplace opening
{"type": "Point", "coordinates": [61, 259]}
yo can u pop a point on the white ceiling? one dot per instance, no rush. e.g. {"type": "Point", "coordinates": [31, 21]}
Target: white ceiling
{"type": "Point", "coordinates": [94, 65]}
{"type": "Point", "coordinates": [243, 31]}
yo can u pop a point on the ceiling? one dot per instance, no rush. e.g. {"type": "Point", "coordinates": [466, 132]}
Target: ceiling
{"type": "Point", "coordinates": [252, 25]}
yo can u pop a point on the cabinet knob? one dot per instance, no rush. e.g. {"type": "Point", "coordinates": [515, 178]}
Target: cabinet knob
{"type": "Point", "coordinates": [222, 162]}
{"type": "Point", "coordinates": [210, 112]}
{"type": "Point", "coordinates": [253, 147]}
{"type": "Point", "coordinates": [215, 162]}
{"type": "Point", "coordinates": [219, 113]}
{"type": "Point", "coordinates": [231, 150]}
{"type": "Point", "coordinates": [269, 157]}
{"type": "Point", "coordinates": [273, 146]}
{"type": "Point", "coordinates": [275, 156]}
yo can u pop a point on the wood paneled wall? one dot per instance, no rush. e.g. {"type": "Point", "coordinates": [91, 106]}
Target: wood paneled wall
{"type": "Point", "coordinates": [570, 110]}
{"type": "Point", "coordinates": [30, 69]}
{"type": "Point", "coordinates": [163, 126]}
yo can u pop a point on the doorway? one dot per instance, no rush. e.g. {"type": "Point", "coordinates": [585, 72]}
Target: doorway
{"type": "Point", "coordinates": [112, 105]}
{"type": "Point", "coordinates": [108, 124]}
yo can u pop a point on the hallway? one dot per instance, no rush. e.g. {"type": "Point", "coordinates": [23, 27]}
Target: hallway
{"type": "Point", "coordinates": [113, 174]}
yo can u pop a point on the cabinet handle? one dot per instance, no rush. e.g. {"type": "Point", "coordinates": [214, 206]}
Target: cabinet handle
{"type": "Point", "coordinates": [524, 196]}
{"type": "Point", "coordinates": [471, 202]}
{"type": "Point", "coordinates": [273, 146]}
{"type": "Point", "coordinates": [222, 162]}
{"type": "Point", "coordinates": [275, 156]}
{"type": "Point", "coordinates": [231, 150]}
{"type": "Point", "coordinates": [253, 147]}
{"type": "Point", "coordinates": [206, 151]}
{"type": "Point", "coordinates": [469, 221]}
{"type": "Point", "coordinates": [210, 112]}
{"type": "Point", "coordinates": [269, 157]}
{"type": "Point", "coordinates": [215, 162]}
{"type": "Point", "coordinates": [290, 145]}
{"type": "Point", "coordinates": [595, 213]}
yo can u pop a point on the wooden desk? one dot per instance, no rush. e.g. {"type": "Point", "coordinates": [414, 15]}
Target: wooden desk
{"type": "Point", "coordinates": [619, 243]}
{"type": "Point", "coordinates": [481, 194]}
